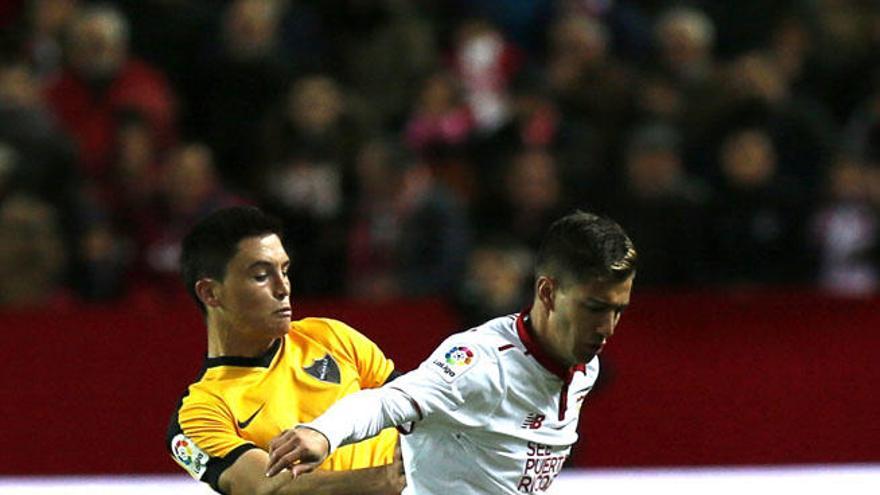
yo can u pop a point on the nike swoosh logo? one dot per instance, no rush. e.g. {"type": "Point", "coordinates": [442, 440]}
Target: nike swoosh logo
{"type": "Point", "coordinates": [244, 424]}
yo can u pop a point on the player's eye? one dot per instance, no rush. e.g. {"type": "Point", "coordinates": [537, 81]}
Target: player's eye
{"type": "Point", "coordinates": [261, 277]}
{"type": "Point", "coordinates": [598, 310]}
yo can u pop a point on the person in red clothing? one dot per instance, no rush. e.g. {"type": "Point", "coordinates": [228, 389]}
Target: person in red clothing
{"type": "Point", "coordinates": [100, 82]}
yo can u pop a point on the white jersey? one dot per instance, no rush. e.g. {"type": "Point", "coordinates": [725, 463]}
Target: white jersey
{"type": "Point", "coordinates": [492, 413]}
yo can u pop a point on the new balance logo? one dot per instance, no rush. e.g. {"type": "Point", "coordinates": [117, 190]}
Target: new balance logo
{"type": "Point", "coordinates": [533, 421]}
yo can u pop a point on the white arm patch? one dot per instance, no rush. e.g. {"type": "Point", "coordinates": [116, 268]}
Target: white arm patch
{"type": "Point", "coordinates": [454, 362]}
{"type": "Point", "coordinates": [190, 457]}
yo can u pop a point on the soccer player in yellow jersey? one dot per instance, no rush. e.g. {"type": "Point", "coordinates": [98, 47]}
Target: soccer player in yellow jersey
{"type": "Point", "coordinates": [264, 373]}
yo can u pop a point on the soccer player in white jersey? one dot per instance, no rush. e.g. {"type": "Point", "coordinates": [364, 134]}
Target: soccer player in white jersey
{"type": "Point", "coordinates": [495, 409]}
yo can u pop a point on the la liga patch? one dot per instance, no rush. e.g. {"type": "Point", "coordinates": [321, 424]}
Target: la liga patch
{"type": "Point", "coordinates": [459, 356]}
{"type": "Point", "coordinates": [454, 362]}
{"type": "Point", "coordinates": [190, 457]}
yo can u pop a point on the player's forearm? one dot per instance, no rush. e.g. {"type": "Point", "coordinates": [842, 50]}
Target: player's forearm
{"type": "Point", "coordinates": [368, 481]}
{"type": "Point", "coordinates": [363, 415]}
{"type": "Point", "coordinates": [247, 476]}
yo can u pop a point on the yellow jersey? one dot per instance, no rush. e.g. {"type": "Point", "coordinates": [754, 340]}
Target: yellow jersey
{"type": "Point", "coordinates": [240, 403]}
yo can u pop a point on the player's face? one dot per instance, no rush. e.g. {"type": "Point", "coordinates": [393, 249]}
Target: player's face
{"type": "Point", "coordinates": [255, 294]}
{"type": "Point", "coordinates": [583, 318]}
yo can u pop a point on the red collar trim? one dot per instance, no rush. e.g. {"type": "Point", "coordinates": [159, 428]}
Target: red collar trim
{"type": "Point", "coordinates": [526, 335]}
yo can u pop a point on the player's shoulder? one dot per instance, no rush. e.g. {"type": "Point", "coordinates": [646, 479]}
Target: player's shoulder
{"type": "Point", "coordinates": [200, 385]}
{"type": "Point", "coordinates": [481, 337]}
{"type": "Point", "coordinates": [330, 335]}
{"type": "Point", "coordinates": [326, 330]}
{"type": "Point", "coordinates": [201, 400]}
{"type": "Point", "coordinates": [474, 349]}
{"type": "Point", "coordinates": [321, 324]}
{"type": "Point", "coordinates": [492, 334]}
{"type": "Point", "coordinates": [202, 393]}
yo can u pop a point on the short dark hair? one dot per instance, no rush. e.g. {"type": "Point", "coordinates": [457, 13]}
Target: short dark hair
{"type": "Point", "coordinates": [582, 247]}
{"type": "Point", "coordinates": [213, 242]}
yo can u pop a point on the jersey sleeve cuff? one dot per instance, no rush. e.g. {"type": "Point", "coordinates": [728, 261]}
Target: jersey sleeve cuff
{"type": "Point", "coordinates": [217, 465]}
{"type": "Point", "coordinates": [333, 440]}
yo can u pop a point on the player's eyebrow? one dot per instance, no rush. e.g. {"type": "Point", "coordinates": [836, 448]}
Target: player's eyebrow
{"type": "Point", "coordinates": [595, 302]}
{"type": "Point", "coordinates": [266, 264]}
{"type": "Point", "coordinates": [259, 264]}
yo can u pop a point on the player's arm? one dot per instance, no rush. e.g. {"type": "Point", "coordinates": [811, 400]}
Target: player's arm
{"type": "Point", "coordinates": [310, 444]}
{"type": "Point", "coordinates": [441, 386]}
{"type": "Point", "coordinates": [248, 476]}
{"type": "Point", "coordinates": [202, 441]}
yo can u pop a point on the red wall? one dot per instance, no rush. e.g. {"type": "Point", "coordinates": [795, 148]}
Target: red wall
{"type": "Point", "coordinates": [738, 379]}
{"type": "Point", "coordinates": [693, 379]}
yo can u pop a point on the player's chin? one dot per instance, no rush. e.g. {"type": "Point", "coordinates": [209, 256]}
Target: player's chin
{"type": "Point", "coordinates": [279, 324]}
{"type": "Point", "coordinates": [589, 353]}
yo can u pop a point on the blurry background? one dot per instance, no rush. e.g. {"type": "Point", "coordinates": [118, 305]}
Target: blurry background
{"type": "Point", "coordinates": [416, 151]}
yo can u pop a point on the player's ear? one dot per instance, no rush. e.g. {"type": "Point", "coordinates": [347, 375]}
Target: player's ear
{"type": "Point", "coordinates": [545, 289]}
{"type": "Point", "coordinates": [208, 291]}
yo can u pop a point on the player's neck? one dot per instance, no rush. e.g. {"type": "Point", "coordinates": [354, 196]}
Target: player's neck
{"type": "Point", "coordinates": [538, 321]}
{"type": "Point", "coordinates": [224, 340]}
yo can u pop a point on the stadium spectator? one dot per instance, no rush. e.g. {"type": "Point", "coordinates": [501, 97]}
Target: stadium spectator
{"type": "Point", "coordinates": [534, 195]}
{"type": "Point", "coordinates": [537, 121]}
{"type": "Point", "coordinates": [592, 88]}
{"type": "Point", "coordinates": [46, 23]}
{"type": "Point", "coordinates": [103, 255]}
{"type": "Point", "coordinates": [847, 39]}
{"type": "Point", "coordinates": [309, 148]}
{"type": "Point", "coordinates": [100, 81]}
{"type": "Point", "coordinates": [315, 126]}
{"type": "Point", "coordinates": [662, 207]}
{"type": "Point", "coordinates": [685, 38]}
{"type": "Point", "coordinates": [440, 128]}
{"type": "Point", "coordinates": [381, 49]}
{"type": "Point", "coordinates": [757, 216]}
{"type": "Point", "coordinates": [409, 235]}
{"type": "Point", "coordinates": [374, 231]}
{"type": "Point", "coordinates": [32, 255]}
{"type": "Point", "coordinates": [176, 36]}
{"type": "Point", "coordinates": [861, 135]}
{"type": "Point", "coordinates": [686, 80]}
{"type": "Point", "coordinates": [762, 94]}
{"type": "Point", "coordinates": [484, 63]}
{"type": "Point", "coordinates": [43, 160]}
{"type": "Point", "coordinates": [497, 280]}
{"type": "Point", "coordinates": [440, 119]}
{"type": "Point", "coordinates": [846, 231]}
{"type": "Point", "coordinates": [187, 188]}
{"type": "Point", "coordinates": [465, 87]}
{"type": "Point", "coordinates": [238, 83]}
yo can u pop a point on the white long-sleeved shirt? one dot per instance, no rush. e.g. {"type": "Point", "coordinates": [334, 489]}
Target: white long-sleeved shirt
{"type": "Point", "coordinates": [492, 413]}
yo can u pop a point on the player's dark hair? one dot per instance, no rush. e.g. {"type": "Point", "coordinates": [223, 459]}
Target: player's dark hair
{"type": "Point", "coordinates": [582, 247]}
{"type": "Point", "coordinates": [213, 242]}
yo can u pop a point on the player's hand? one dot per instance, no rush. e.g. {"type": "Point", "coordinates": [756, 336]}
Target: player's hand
{"type": "Point", "coordinates": [300, 449]}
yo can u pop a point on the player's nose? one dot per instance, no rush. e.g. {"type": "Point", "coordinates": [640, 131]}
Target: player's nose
{"type": "Point", "coordinates": [281, 287]}
{"type": "Point", "coordinates": [607, 323]}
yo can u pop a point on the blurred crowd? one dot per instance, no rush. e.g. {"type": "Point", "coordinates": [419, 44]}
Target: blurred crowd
{"type": "Point", "coordinates": [420, 147]}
